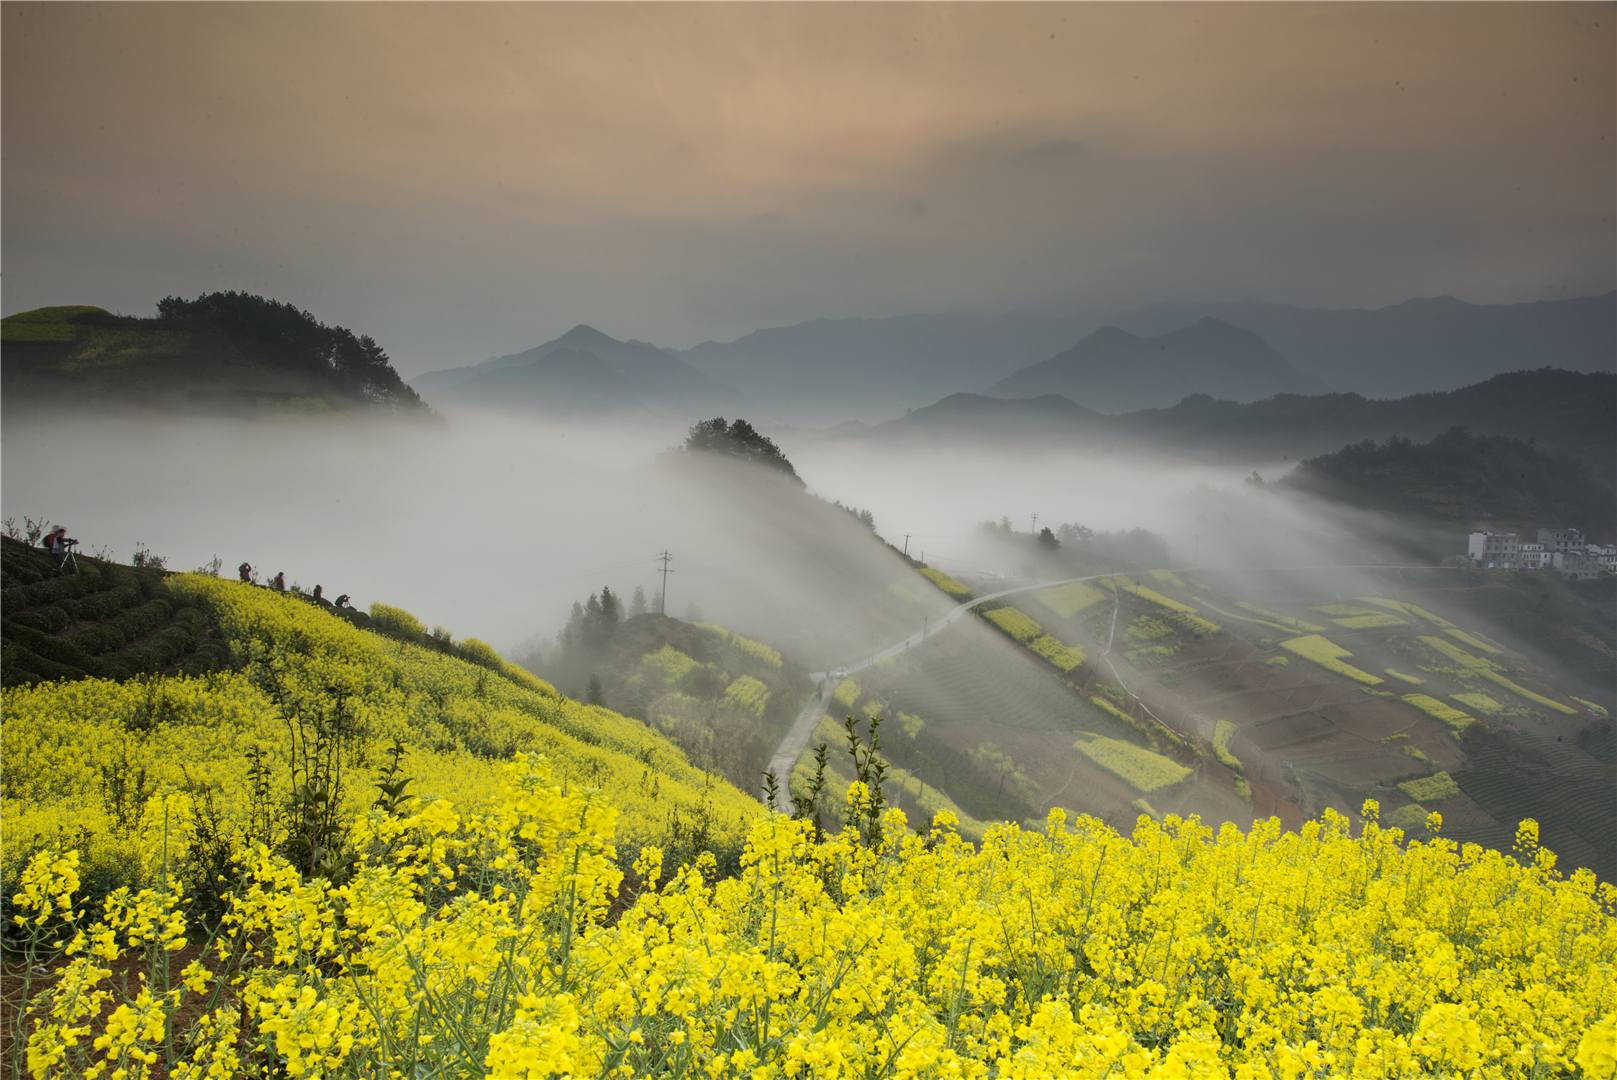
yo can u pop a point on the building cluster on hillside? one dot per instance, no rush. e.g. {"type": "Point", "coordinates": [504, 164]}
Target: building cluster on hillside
{"type": "Point", "coordinates": [1562, 550]}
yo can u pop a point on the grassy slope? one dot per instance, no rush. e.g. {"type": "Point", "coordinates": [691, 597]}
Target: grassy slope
{"type": "Point", "coordinates": [82, 754]}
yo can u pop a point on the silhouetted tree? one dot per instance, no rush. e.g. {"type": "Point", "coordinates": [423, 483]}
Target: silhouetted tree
{"type": "Point", "coordinates": [637, 603]}
{"type": "Point", "coordinates": [1047, 539]}
{"type": "Point", "coordinates": [738, 439]}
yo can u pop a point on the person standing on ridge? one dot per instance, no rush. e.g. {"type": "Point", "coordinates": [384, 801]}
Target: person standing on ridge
{"type": "Point", "coordinates": [278, 583]}
{"type": "Point", "coordinates": [246, 572]}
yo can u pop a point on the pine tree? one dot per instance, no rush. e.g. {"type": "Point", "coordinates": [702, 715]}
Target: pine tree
{"type": "Point", "coordinates": [637, 603]}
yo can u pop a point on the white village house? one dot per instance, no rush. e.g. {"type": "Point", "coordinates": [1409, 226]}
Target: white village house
{"type": "Point", "coordinates": [1562, 550]}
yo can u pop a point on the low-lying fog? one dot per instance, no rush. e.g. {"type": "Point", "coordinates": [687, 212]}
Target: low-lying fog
{"type": "Point", "coordinates": [493, 527]}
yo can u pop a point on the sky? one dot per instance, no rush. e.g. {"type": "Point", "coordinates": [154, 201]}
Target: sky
{"type": "Point", "coordinates": [467, 180]}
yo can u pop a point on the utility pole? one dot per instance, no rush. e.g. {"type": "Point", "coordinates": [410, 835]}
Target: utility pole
{"type": "Point", "coordinates": [1034, 528]}
{"type": "Point", "coordinates": [662, 601]}
{"type": "Point", "coordinates": [906, 545]}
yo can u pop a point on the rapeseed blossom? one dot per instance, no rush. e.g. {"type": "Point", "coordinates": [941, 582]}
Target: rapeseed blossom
{"type": "Point", "coordinates": [499, 941]}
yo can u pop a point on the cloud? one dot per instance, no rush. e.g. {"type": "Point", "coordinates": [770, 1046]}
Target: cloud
{"type": "Point", "coordinates": [685, 172]}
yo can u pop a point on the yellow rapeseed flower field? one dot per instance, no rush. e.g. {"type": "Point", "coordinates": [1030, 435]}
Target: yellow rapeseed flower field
{"type": "Point", "coordinates": [507, 942]}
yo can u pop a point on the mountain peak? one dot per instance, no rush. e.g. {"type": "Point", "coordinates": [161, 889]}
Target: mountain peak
{"type": "Point", "coordinates": [1108, 335]}
{"type": "Point", "coordinates": [584, 335]}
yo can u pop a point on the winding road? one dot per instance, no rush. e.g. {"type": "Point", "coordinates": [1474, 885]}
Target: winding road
{"type": "Point", "coordinates": [797, 737]}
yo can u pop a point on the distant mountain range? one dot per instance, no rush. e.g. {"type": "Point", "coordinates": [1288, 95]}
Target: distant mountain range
{"type": "Point", "coordinates": [867, 369]}
{"type": "Point", "coordinates": [1113, 370]}
{"type": "Point", "coordinates": [1574, 413]}
{"type": "Point", "coordinates": [582, 373]}
{"type": "Point", "coordinates": [835, 369]}
{"type": "Point", "coordinates": [1418, 345]}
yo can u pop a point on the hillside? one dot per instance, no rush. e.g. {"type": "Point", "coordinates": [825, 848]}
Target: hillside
{"type": "Point", "coordinates": [1574, 413]}
{"type": "Point", "coordinates": [275, 702]}
{"type": "Point", "coordinates": [1239, 697]}
{"type": "Point", "coordinates": [582, 373]}
{"type": "Point", "coordinates": [1474, 480]}
{"type": "Point", "coordinates": [1419, 345]}
{"type": "Point", "coordinates": [722, 697]}
{"type": "Point", "coordinates": [223, 353]}
{"type": "Point", "coordinates": [1115, 371]}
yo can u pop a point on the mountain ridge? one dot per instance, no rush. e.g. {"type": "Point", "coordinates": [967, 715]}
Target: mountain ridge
{"type": "Point", "coordinates": [1114, 370]}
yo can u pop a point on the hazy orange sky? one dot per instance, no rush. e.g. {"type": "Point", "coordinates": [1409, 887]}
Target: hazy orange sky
{"type": "Point", "coordinates": [463, 180]}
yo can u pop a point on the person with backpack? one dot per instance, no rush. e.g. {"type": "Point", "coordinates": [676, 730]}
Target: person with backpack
{"type": "Point", "coordinates": [57, 542]}
{"type": "Point", "coordinates": [278, 583]}
{"type": "Point", "coordinates": [246, 572]}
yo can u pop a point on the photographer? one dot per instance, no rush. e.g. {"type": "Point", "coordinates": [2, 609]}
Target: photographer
{"type": "Point", "coordinates": [57, 542]}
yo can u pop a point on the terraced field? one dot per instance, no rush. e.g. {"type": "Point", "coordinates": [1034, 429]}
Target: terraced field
{"type": "Point", "coordinates": [1285, 701]}
{"type": "Point", "coordinates": [107, 620]}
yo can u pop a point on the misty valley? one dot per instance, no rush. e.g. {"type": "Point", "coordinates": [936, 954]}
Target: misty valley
{"type": "Point", "coordinates": [927, 541]}
{"type": "Point", "coordinates": [988, 610]}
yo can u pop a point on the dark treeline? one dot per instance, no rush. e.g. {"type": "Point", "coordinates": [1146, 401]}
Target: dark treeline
{"type": "Point", "coordinates": [1125, 548]}
{"type": "Point", "coordinates": [738, 439]}
{"type": "Point", "coordinates": [1462, 477]}
{"type": "Point", "coordinates": [287, 336]}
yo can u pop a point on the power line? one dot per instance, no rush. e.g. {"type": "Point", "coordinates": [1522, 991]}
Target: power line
{"type": "Point", "coordinates": [662, 601]}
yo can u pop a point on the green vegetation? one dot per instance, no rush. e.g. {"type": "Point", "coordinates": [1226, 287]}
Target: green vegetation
{"type": "Point", "coordinates": [1282, 619]}
{"type": "Point", "coordinates": [748, 693]}
{"type": "Point", "coordinates": [1522, 692]}
{"type": "Point", "coordinates": [107, 620]}
{"type": "Point", "coordinates": [1070, 599]}
{"type": "Point", "coordinates": [1598, 710]}
{"type": "Point", "coordinates": [1183, 613]}
{"type": "Point", "coordinates": [1429, 789]}
{"type": "Point", "coordinates": [847, 693]}
{"type": "Point", "coordinates": [229, 350]}
{"type": "Point", "coordinates": [1488, 669]}
{"type": "Point", "coordinates": [1472, 640]}
{"type": "Point", "coordinates": [740, 440]}
{"type": "Point", "coordinates": [1142, 769]}
{"type": "Point", "coordinates": [1482, 703]}
{"type": "Point", "coordinates": [1408, 609]}
{"type": "Point", "coordinates": [45, 324]}
{"type": "Point", "coordinates": [1466, 661]}
{"type": "Point", "coordinates": [1328, 655]}
{"type": "Point", "coordinates": [669, 663]}
{"type": "Point", "coordinates": [944, 582]}
{"type": "Point", "coordinates": [1413, 680]}
{"type": "Point", "coordinates": [1223, 732]}
{"type": "Point", "coordinates": [1014, 623]}
{"type": "Point", "coordinates": [1342, 610]}
{"type": "Point", "coordinates": [1431, 706]}
{"type": "Point", "coordinates": [1371, 621]}
{"type": "Point", "coordinates": [1064, 656]}
{"type": "Point", "coordinates": [1458, 476]}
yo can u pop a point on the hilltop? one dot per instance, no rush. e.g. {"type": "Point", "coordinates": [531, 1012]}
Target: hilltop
{"type": "Point", "coordinates": [1113, 370]}
{"type": "Point", "coordinates": [228, 353]}
{"type": "Point", "coordinates": [581, 373]}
